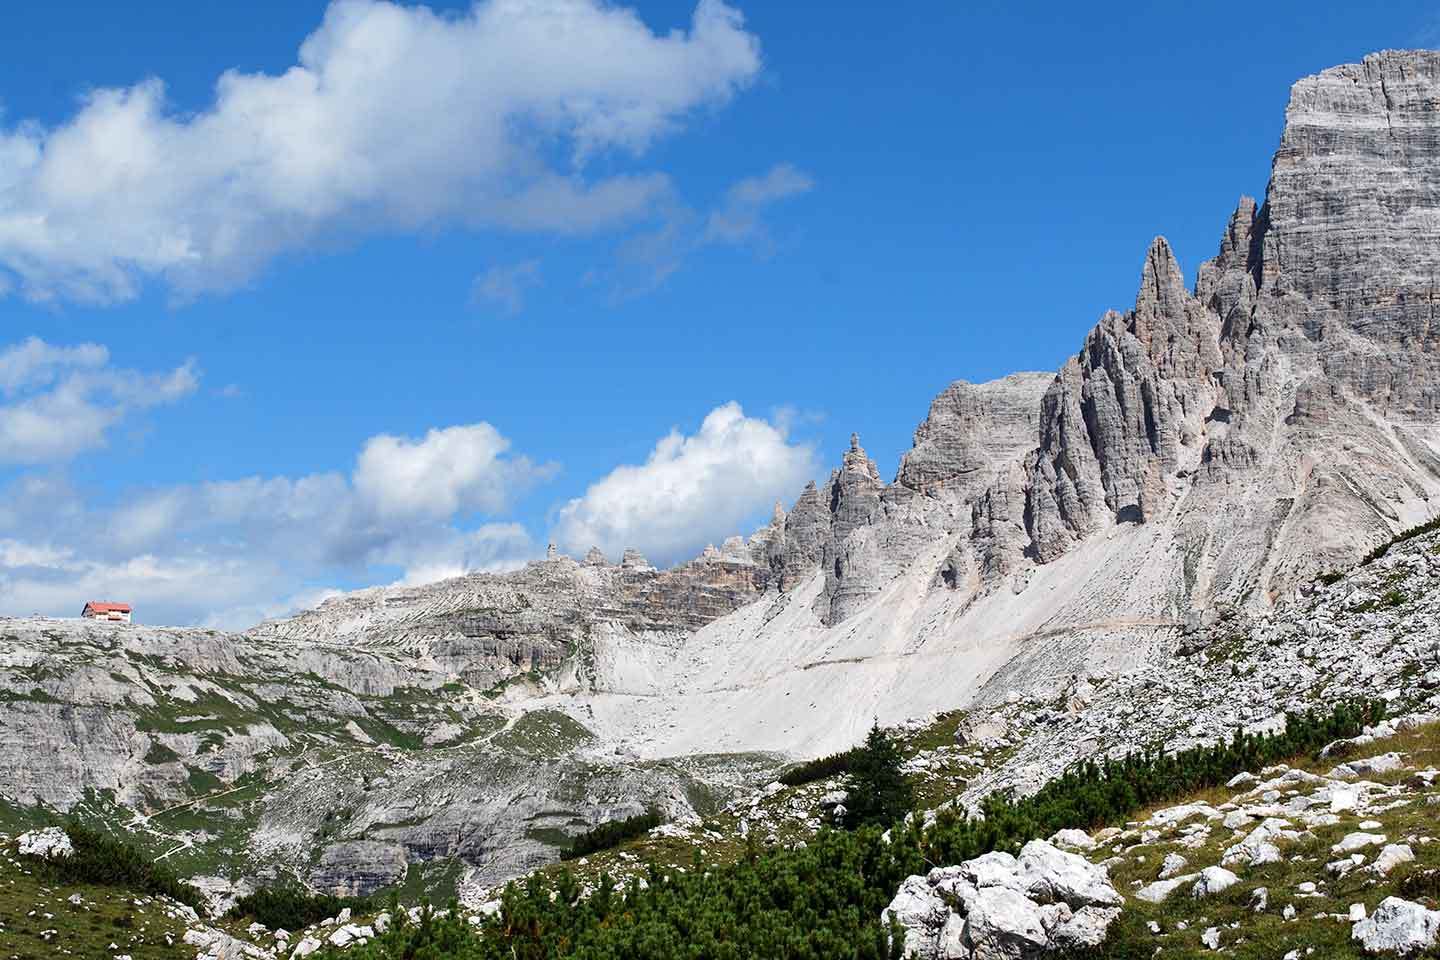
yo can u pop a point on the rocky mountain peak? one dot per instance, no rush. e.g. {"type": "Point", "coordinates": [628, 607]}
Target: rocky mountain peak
{"type": "Point", "coordinates": [1186, 472]}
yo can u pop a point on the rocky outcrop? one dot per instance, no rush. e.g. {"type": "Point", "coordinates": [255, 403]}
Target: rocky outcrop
{"type": "Point", "coordinates": [851, 559]}
{"type": "Point", "coordinates": [357, 868]}
{"type": "Point", "coordinates": [1219, 411]}
{"type": "Point", "coordinates": [997, 907]}
{"type": "Point", "coordinates": [963, 454]}
{"type": "Point", "coordinates": [530, 619]}
{"type": "Point", "coordinates": [1127, 415]}
{"type": "Point", "coordinates": [1398, 926]}
{"type": "Point", "coordinates": [970, 430]}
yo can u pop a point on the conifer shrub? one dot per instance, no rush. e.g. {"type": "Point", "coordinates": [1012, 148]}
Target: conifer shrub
{"type": "Point", "coordinates": [291, 908]}
{"type": "Point", "coordinates": [612, 834]}
{"type": "Point", "coordinates": [1430, 526]}
{"type": "Point", "coordinates": [825, 899]}
{"type": "Point", "coordinates": [819, 769]}
{"type": "Point", "coordinates": [103, 860]}
{"type": "Point", "coordinates": [879, 792]}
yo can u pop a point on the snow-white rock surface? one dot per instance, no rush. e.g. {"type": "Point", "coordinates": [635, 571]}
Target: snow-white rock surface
{"type": "Point", "coordinates": [995, 906]}
{"type": "Point", "coordinates": [1398, 926]}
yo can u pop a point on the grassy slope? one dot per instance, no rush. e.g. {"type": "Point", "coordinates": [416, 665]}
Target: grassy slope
{"type": "Point", "coordinates": [138, 926]}
{"type": "Point", "coordinates": [1248, 935]}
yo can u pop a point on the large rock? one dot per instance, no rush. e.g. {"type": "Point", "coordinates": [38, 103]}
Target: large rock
{"type": "Point", "coordinates": [1051, 875]}
{"type": "Point", "coordinates": [1398, 926]}
{"type": "Point", "coordinates": [998, 907]}
{"type": "Point", "coordinates": [49, 843]}
{"type": "Point", "coordinates": [931, 929]}
{"type": "Point", "coordinates": [1003, 924]}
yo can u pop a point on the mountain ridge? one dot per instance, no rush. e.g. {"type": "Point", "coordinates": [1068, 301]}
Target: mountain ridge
{"type": "Point", "coordinates": [1205, 453]}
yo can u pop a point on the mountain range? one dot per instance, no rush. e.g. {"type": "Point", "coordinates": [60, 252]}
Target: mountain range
{"type": "Point", "coordinates": [1200, 461]}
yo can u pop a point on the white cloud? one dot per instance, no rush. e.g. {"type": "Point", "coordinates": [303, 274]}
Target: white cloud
{"type": "Point", "coordinates": [691, 490]}
{"type": "Point", "coordinates": [506, 285]}
{"type": "Point", "coordinates": [491, 547]}
{"type": "Point", "coordinates": [646, 259]}
{"type": "Point", "coordinates": [232, 553]}
{"type": "Point", "coordinates": [737, 219]}
{"type": "Point", "coordinates": [57, 402]}
{"type": "Point", "coordinates": [394, 118]}
{"type": "Point", "coordinates": [454, 470]}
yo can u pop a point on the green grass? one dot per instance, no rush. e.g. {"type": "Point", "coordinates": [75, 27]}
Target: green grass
{"type": "Point", "coordinates": [543, 733]}
{"type": "Point", "coordinates": [106, 915]}
{"type": "Point", "coordinates": [435, 881]}
{"type": "Point", "coordinates": [1267, 935]}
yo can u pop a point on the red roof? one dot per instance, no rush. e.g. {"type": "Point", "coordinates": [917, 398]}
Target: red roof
{"type": "Point", "coordinates": [99, 607]}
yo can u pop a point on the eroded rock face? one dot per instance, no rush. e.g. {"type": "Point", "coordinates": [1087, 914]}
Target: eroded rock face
{"type": "Point", "coordinates": [357, 868]}
{"type": "Point", "coordinates": [1279, 418]}
{"type": "Point", "coordinates": [970, 429]}
{"type": "Point", "coordinates": [964, 452]}
{"type": "Point", "coordinates": [852, 557]}
{"type": "Point", "coordinates": [1127, 414]}
{"type": "Point", "coordinates": [532, 617]}
{"type": "Point", "coordinates": [1222, 412]}
{"type": "Point", "coordinates": [1352, 225]}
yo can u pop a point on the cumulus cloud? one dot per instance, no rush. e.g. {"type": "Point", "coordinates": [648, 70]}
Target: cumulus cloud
{"type": "Point", "coordinates": [394, 118]}
{"type": "Point", "coordinates": [57, 402]}
{"type": "Point", "coordinates": [691, 490]}
{"type": "Point", "coordinates": [449, 471]}
{"type": "Point", "coordinates": [234, 552]}
{"type": "Point", "coordinates": [506, 285]}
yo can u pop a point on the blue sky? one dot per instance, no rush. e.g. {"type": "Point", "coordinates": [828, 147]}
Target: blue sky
{"type": "Point", "coordinates": [443, 292]}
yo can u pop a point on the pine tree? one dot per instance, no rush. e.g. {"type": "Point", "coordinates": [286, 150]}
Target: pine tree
{"type": "Point", "coordinates": [879, 792]}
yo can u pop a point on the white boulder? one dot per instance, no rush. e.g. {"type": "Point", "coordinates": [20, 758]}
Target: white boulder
{"type": "Point", "coordinates": [1398, 926]}
{"type": "Point", "coordinates": [1053, 876]}
{"type": "Point", "coordinates": [1391, 857]}
{"type": "Point", "coordinates": [51, 843]}
{"type": "Point", "coordinates": [1074, 839]}
{"type": "Point", "coordinates": [1212, 880]}
{"type": "Point", "coordinates": [1357, 841]}
{"type": "Point", "coordinates": [999, 907]}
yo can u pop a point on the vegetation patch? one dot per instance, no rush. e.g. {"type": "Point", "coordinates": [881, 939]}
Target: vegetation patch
{"type": "Point", "coordinates": [821, 768]}
{"type": "Point", "coordinates": [291, 908]}
{"type": "Point", "coordinates": [103, 860]}
{"type": "Point", "coordinates": [613, 833]}
{"type": "Point", "coordinates": [543, 733]}
{"type": "Point", "coordinates": [1420, 530]}
{"type": "Point", "coordinates": [824, 899]}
